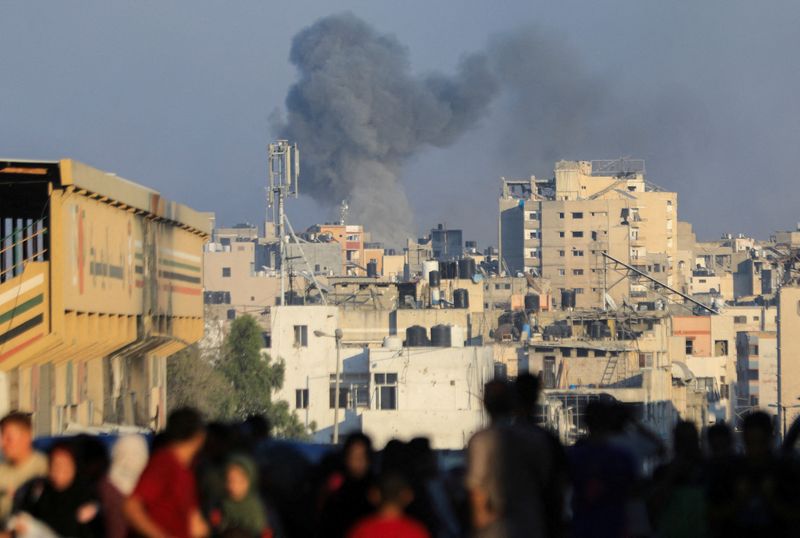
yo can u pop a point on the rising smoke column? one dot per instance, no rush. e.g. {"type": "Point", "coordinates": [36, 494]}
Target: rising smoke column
{"type": "Point", "coordinates": [358, 114]}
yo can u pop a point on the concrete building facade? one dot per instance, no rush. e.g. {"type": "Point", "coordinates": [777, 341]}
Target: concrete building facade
{"type": "Point", "coordinates": [387, 392]}
{"type": "Point", "coordinates": [560, 229]}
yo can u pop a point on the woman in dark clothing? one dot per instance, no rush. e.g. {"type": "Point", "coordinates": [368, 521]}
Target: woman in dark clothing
{"type": "Point", "coordinates": [63, 501]}
{"type": "Point", "coordinates": [346, 493]}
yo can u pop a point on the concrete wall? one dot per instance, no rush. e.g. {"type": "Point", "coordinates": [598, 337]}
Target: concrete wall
{"type": "Point", "coordinates": [789, 367]}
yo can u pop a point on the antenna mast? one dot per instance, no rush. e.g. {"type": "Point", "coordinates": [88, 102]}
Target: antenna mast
{"type": "Point", "coordinates": [284, 172]}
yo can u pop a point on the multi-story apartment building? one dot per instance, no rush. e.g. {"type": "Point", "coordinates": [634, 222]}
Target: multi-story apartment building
{"type": "Point", "coordinates": [757, 370]}
{"type": "Point", "coordinates": [560, 228]}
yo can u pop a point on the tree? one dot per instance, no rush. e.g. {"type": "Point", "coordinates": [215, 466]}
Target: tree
{"type": "Point", "coordinates": [193, 381]}
{"type": "Point", "coordinates": [254, 376]}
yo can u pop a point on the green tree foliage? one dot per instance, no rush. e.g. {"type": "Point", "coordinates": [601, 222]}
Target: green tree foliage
{"type": "Point", "coordinates": [240, 383]}
{"type": "Point", "coordinates": [194, 382]}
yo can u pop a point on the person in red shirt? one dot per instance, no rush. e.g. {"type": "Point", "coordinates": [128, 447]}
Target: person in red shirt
{"type": "Point", "coordinates": [164, 503]}
{"type": "Point", "coordinates": [392, 495]}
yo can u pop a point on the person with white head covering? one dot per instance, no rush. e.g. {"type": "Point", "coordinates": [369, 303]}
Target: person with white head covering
{"type": "Point", "coordinates": [129, 457]}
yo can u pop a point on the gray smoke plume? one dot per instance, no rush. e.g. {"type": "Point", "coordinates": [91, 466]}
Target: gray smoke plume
{"type": "Point", "coordinates": [358, 114]}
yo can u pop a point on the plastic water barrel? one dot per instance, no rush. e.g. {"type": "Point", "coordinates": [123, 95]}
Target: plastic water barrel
{"type": "Point", "coordinates": [416, 336]}
{"type": "Point", "coordinates": [440, 336]}
{"type": "Point", "coordinates": [461, 298]}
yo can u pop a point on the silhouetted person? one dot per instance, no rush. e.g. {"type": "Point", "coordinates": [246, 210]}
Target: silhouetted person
{"type": "Point", "coordinates": [526, 387]}
{"type": "Point", "coordinates": [347, 501]}
{"type": "Point", "coordinates": [758, 507]}
{"type": "Point", "coordinates": [603, 476]}
{"type": "Point", "coordinates": [678, 501]}
{"type": "Point", "coordinates": [722, 468]}
{"type": "Point", "coordinates": [509, 472]}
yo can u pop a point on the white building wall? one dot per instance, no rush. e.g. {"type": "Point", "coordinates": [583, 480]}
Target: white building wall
{"type": "Point", "coordinates": [437, 389]}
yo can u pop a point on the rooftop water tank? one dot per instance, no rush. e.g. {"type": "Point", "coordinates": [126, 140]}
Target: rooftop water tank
{"type": "Point", "coordinates": [440, 336]}
{"type": "Point", "coordinates": [531, 302]}
{"type": "Point", "coordinates": [466, 268]}
{"type": "Point", "coordinates": [461, 298]}
{"type": "Point", "coordinates": [416, 336]}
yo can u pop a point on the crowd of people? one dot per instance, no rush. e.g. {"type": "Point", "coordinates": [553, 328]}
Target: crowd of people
{"type": "Point", "coordinates": [516, 480]}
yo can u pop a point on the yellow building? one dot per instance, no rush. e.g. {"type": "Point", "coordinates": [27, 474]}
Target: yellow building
{"type": "Point", "coordinates": [100, 281]}
{"type": "Point", "coordinates": [559, 229]}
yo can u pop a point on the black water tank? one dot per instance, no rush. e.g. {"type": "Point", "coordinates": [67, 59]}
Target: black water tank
{"type": "Point", "coordinates": [416, 336]}
{"type": "Point", "coordinates": [440, 336]}
{"type": "Point", "coordinates": [598, 330]}
{"type": "Point", "coordinates": [444, 270]}
{"type": "Point", "coordinates": [461, 298]}
{"type": "Point", "coordinates": [452, 270]}
{"type": "Point", "coordinates": [434, 279]}
{"type": "Point", "coordinates": [372, 269]}
{"type": "Point", "coordinates": [531, 302]}
{"type": "Point", "coordinates": [567, 298]}
{"type": "Point", "coordinates": [466, 268]}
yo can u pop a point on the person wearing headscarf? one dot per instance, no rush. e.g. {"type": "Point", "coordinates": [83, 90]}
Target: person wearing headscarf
{"type": "Point", "coordinates": [63, 501]}
{"type": "Point", "coordinates": [242, 509]}
{"type": "Point", "coordinates": [128, 459]}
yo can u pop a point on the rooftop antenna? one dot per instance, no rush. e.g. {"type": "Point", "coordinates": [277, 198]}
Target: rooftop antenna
{"type": "Point", "coordinates": [284, 173]}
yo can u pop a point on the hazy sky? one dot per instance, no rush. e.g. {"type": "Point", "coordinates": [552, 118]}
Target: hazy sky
{"type": "Point", "coordinates": [178, 96]}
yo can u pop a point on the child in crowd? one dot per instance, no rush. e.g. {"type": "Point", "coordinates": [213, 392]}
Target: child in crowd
{"type": "Point", "coordinates": [242, 511]}
{"type": "Point", "coordinates": [392, 495]}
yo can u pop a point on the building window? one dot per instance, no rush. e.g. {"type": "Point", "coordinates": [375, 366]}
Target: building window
{"type": "Point", "coordinates": [533, 215]}
{"type": "Point", "coordinates": [562, 272]}
{"type": "Point", "coordinates": [226, 272]}
{"type": "Point", "coordinates": [753, 351]}
{"type": "Point", "coordinates": [577, 215]}
{"type": "Point", "coordinates": [549, 372]}
{"type": "Point", "coordinates": [594, 236]}
{"type": "Point", "coordinates": [582, 352]}
{"type": "Point", "coordinates": [301, 399]}
{"type": "Point", "coordinates": [566, 352]}
{"type": "Point", "coordinates": [720, 348]}
{"type": "Point", "coordinates": [561, 253]}
{"type": "Point", "coordinates": [577, 253]}
{"type": "Point", "coordinates": [353, 390]}
{"type": "Point", "coordinates": [301, 336]}
{"type": "Point", "coordinates": [507, 286]}
{"type": "Point", "coordinates": [752, 375]}
{"type": "Point", "coordinates": [645, 360]}
{"type": "Point", "coordinates": [231, 314]}
{"type": "Point", "coordinates": [577, 272]}
{"type": "Point", "coordinates": [690, 346]}
{"type": "Point", "coordinates": [386, 390]}
{"type": "Point", "coordinates": [578, 291]}
{"type": "Point", "coordinates": [754, 400]}
{"type": "Point", "coordinates": [561, 215]}
{"type": "Point", "coordinates": [534, 234]}
{"type": "Point", "coordinates": [740, 319]}
{"type": "Point", "coordinates": [577, 234]}
{"type": "Point", "coordinates": [560, 234]}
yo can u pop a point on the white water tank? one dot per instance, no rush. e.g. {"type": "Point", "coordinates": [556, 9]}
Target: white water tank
{"type": "Point", "coordinates": [393, 342]}
{"type": "Point", "coordinates": [427, 267]}
{"type": "Point", "coordinates": [457, 336]}
{"type": "Point", "coordinates": [436, 296]}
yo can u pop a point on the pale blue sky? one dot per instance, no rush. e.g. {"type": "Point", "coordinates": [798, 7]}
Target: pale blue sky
{"type": "Point", "coordinates": [177, 95]}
